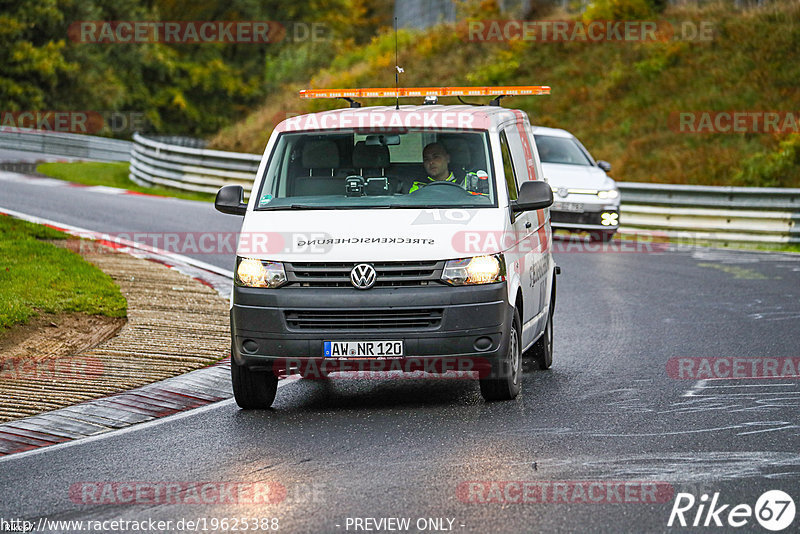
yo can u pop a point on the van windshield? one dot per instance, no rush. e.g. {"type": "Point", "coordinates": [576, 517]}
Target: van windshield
{"type": "Point", "coordinates": [361, 169]}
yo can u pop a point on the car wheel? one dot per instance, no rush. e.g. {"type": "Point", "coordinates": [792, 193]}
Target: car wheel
{"type": "Point", "coordinates": [505, 377]}
{"type": "Point", "coordinates": [542, 350]}
{"type": "Point", "coordinates": [253, 389]}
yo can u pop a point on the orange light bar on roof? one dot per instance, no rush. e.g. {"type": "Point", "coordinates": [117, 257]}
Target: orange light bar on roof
{"type": "Point", "coordinates": [391, 92]}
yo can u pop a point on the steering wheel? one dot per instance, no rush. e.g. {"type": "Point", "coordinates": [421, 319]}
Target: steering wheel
{"type": "Point", "coordinates": [444, 182]}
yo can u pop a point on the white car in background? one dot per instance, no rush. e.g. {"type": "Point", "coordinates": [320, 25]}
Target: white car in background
{"type": "Point", "coordinates": [586, 198]}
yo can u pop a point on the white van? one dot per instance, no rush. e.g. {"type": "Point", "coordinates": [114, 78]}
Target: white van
{"type": "Point", "coordinates": [354, 249]}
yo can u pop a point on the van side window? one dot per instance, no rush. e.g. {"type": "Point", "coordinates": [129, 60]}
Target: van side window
{"type": "Point", "coordinates": [508, 167]}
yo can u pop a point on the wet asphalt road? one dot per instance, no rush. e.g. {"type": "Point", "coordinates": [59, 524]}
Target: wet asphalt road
{"type": "Point", "coordinates": [608, 411]}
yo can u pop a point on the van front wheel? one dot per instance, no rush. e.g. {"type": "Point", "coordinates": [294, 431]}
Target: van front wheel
{"type": "Point", "coordinates": [542, 350]}
{"type": "Point", "coordinates": [504, 380]}
{"type": "Point", "coordinates": [253, 389]}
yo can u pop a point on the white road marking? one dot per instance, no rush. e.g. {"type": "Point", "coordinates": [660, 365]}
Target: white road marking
{"type": "Point", "coordinates": [10, 176]}
{"type": "Point", "coordinates": [700, 384]}
{"type": "Point", "coordinates": [107, 190]}
{"type": "Point", "coordinates": [749, 386]}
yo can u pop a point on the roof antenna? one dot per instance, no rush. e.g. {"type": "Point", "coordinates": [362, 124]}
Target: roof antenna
{"type": "Point", "coordinates": [397, 70]}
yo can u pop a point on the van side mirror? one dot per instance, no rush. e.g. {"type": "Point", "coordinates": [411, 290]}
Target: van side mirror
{"type": "Point", "coordinates": [533, 195]}
{"type": "Point", "coordinates": [606, 166]}
{"type": "Point", "coordinates": [230, 200]}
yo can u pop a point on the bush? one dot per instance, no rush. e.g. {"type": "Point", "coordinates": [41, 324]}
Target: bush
{"type": "Point", "coordinates": [772, 169]}
{"type": "Point", "coordinates": [618, 10]}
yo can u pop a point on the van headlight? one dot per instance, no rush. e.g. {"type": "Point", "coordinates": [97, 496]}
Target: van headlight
{"type": "Point", "coordinates": [475, 270]}
{"type": "Point", "coordinates": [609, 194]}
{"type": "Point", "coordinates": [251, 272]}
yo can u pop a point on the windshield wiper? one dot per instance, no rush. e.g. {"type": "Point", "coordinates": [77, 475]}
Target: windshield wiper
{"type": "Point", "coordinates": [439, 207]}
{"type": "Point", "coordinates": [326, 207]}
{"type": "Point", "coordinates": [310, 207]}
{"type": "Point", "coordinates": [362, 207]}
{"type": "Point", "coordinates": [296, 207]}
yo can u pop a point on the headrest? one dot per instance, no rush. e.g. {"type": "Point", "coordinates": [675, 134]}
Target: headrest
{"type": "Point", "coordinates": [320, 154]}
{"type": "Point", "coordinates": [459, 151]}
{"type": "Point", "coordinates": [370, 156]}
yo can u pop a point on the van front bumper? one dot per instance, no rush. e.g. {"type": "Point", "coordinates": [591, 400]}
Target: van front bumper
{"type": "Point", "coordinates": [434, 321]}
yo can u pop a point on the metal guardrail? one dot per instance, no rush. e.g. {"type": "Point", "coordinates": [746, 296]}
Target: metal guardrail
{"type": "Point", "coordinates": [709, 213]}
{"type": "Point", "coordinates": [696, 213]}
{"type": "Point", "coordinates": [154, 162]}
{"type": "Point", "coordinates": [65, 144]}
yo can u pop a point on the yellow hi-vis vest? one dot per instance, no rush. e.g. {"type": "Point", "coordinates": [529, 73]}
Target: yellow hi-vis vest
{"type": "Point", "coordinates": [417, 184]}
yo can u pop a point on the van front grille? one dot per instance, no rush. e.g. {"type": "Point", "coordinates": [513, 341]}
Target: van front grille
{"type": "Point", "coordinates": [389, 274]}
{"type": "Point", "coordinates": [364, 319]}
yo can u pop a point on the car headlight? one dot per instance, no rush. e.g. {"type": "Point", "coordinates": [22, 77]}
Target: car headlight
{"type": "Point", "coordinates": [475, 270]}
{"type": "Point", "coordinates": [609, 218]}
{"type": "Point", "coordinates": [610, 194]}
{"type": "Point", "coordinates": [251, 272]}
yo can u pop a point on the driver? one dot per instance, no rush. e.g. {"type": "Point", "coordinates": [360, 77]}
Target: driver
{"type": "Point", "coordinates": [436, 161]}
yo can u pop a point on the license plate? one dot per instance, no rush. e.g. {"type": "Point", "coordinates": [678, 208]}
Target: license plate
{"type": "Point", "coordinates": [573, 207]}
{"type": "Point", "coordinates": [362, 349]}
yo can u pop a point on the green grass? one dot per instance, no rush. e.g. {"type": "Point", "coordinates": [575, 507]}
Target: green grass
{"type": "Point", "coordinates": [38, 277]}
{"type": "Point", "coordinates": [765, 247]}
{"type": "Point", "coordinates": [733, 245]}
{"type": "Point", "coordinates": [111, 175]}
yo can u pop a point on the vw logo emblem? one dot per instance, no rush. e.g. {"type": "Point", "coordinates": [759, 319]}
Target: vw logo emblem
{"type": "Point", "coordinates": [562, 192]}
{"type": "Point", "coordinates": [363, 276]}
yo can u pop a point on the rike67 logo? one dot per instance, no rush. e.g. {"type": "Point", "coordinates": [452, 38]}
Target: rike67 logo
{"type": "Point", "coordinates": [774, 510]}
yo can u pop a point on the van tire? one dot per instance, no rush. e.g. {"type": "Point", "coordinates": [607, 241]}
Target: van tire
{"type": "Point", "coordinates": [542, 350]}
{"type": "Point", "coordinates": [253, 389]}
{"type": "Point", "coordinates": [505, 378]}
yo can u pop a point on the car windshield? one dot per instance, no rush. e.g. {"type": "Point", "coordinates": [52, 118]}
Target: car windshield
{"type": "Point", "coordinates": [560, 150]}
{"type": "Point", "coordinates": [370, 169]}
